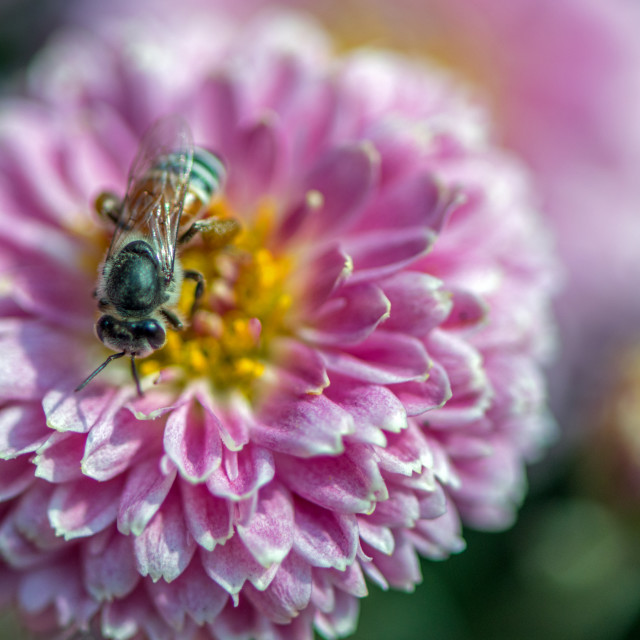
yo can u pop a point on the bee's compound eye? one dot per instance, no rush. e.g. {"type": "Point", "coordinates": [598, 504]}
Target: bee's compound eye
{"type": "Point", "coordinates": [104, 327]}
{"type": "Point", "coordinates": [153, 332]}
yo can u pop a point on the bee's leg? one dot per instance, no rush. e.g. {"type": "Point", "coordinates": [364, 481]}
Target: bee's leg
{"type": "Point", "coordinates": [108, 206]}
{"type": "Point", "coordinates": [172, 319]}
{"type": "Point", "coordinates": [134, 372]}
{"type": "Point", "coordinates": [223, 228]}
{"type": "Point", "coordinates": [199, 278]}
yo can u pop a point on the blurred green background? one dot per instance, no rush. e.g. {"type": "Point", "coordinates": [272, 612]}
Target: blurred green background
{"type": "Point", "coordinates": [568, 570]}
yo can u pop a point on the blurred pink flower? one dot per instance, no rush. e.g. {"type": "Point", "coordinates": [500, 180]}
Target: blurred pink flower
{"type": "Point", "coordinates": [363, 373]}
{"type": "Point", "coordinates": [561, 77]}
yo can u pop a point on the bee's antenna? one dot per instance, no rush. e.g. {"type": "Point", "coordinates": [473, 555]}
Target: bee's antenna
{"type": "Point", "coordinates": [113, 356]}
{"type": "Point", "coordinates": [135, 374]}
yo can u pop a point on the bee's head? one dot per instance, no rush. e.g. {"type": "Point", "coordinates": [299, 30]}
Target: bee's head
{"type": "Point", "coordinates": [136, 337]}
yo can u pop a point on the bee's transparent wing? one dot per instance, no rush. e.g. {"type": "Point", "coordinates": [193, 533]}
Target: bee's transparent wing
{"type": "Point", "coordinates": [156, 189]}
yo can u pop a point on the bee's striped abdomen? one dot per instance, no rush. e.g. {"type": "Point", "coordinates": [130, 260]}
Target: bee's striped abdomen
{"type": "Point", "coordinates": [207, 175]}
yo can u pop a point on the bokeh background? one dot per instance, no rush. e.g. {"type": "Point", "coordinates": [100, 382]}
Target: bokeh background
{"type": "Point", "coordinates": [570, 566]}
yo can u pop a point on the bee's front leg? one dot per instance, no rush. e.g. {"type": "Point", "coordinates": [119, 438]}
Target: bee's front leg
{"type": "Point", "coordinates": [224, 229]}
{"type": "Point", "coordinates": [172, 319]}
{"type": "Point", "coordinates": [199, 278]}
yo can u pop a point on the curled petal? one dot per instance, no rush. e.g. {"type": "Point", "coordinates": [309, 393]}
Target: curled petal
{"type": "Point", "coordinates": [383, 358]}
{"type": "Point", "coordinates": [143, 494]}
{"type": "Point", "coordinates": [373, 408]}
{"type": "Point", "coordinates": [309, 426]}
{"type": "Point", "coordinates": [345, 177]}
{"type": "Point", "coordinates": [418, 397]}
{"type": "Point", "coordinates": [231, 565]}
{"type": "Point", "coordinates": [28, 348]}
{"type": "Point", "coordinates": [193, 593]}
{"type": "Point", "coordinates": [324, 274]}
{"type": "Point", "coordinates": [377, 254]}
{"type": "Point", "coordinates": [288, 593]}
{"type": "Point", "coordinates": [59, 459]}
{"type": "Point", "coordinates": [242, 473]}
{"type": "Point", "coordinates": [165, 547]}
{"type": "Point", "coordinates": [192, 441]}
{"type": "Point", "coordinates": [116, 442]}
{"type": "Point", "coordinates": [356, 483]}
{"type": "Point", "coordinates": [349, 316]}
{"type": "Point", "coordinates": [67, 411]}
{"type": "Point", "coordinates": [418, 302]}
{"type": "Point", "coordinates": [269, 533]}
{"type": "Point", "coordinates": [109, 566]}
{"type": "Point", "coordinates": [22, 430]}
{"type": "Point", "coordinates": [82, 508]}
{"type": "Point", "coordinates": [324, 538]}
{"type": "Point", "coordinates": [209, 518]}
{"type": "Point", "coordinates": [301, 369]}
{"type": "Point", "coordinates": [15, 476]}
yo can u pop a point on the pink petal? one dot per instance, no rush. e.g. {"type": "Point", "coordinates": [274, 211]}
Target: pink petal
{"type": "Point", "coordinates": [28, 523]}
{"type": "Point", "coordinates": [308, 426]}
{"type": "Point", "coordinates": [22, 429]}
{"type": "Point", "coordinates": [377, 254]}
{"type": "Point", "coordinates": [240, 621]}
{"type": "Point", "coordinates": [297, 215]}
{"type": "Point", "coordinates": [418, 302]}
{"type": "Point", "coordinates": [419, 397]}
{"type": "Point", "coordinates": [36, 358]}
{"type": "Point", "coordinates": [377, 536]}
{"type": "Point", "coordinates": [401, 569]}
{"type": "Point", "coordinates": [17, 551]}
{"type": "Point", "coordinates": [324, 538]}
{"type": "Point", "coordinates": [349, 316]}
{"type": "Point", "coordinates": [345, 177]}
{"type": "Point", "coordinates": [109, 566]}
{"type": "Point", "coordinates": [59, 459]}
{"type": "Point", "coordinates": [400, 510]}
{"type": "Point", "coordinates": [68, 411]}
{"type": "Point", "coordinates": [192, 441]}
{"type": "Point", "coordinates": [117, 442]}
{"type": "Point", "coordinates": [144, 492]}
{"type": "Point", "coordinates": [259, 156]}
{"type": "Point", "coordinates": [300, 368]}
{"type": "Point", "coordinates": [433, 504]}
{"type": "Point", "coordinates": [193, 593]}
{"type": "Point", "coordinates": [15, 476]}
{"type": "Point", "coordinates": [373, 408]}
{"type": "Point", "coordinates": [414, 201]}
{"type": "Point", "coordinates": [350, 580]}
{"type": "Point", "coordinates": [440, 537]}
{"type": "Point", "coordinates": [241, 473]}
{"type": "Point", "coordinates": [324, 274]}
{"type": "Point", "coordinates": [469, 310]}
{"type": "Point", "coordinates": [82, 508]}
{"type": "Point", "coordinates": [269, 533]}
{"type": "Point", "coordinates": [231, 564]}
{"type": "Point", "coordinates": [39, 288]}
{"type": "Point", "coordinates": [52, 585]}
{"type": "Point", "coordinates": [288, 593]}
{"type": "Point", "coordinates": [383, 358]}
{"type": "Point", "coordinates": [356, 484]}
{"type": "Point", "coordinates": [215, 113]}
{"type": "Point", "coordinates": [343, 618]}
{"type": "Point", "coordinates": [406, 453]}
{"type": "Point", "coordinates": [165, 547]}
{"type": "Point", "coordinates": [209, 519]}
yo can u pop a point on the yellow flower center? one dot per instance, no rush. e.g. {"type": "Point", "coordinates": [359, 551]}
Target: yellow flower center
{"type": "Point", "coordinates": [226, 339]}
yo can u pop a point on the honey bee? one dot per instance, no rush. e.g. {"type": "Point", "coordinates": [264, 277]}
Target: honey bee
{"type": "Point", "coordinates": [140, 279]}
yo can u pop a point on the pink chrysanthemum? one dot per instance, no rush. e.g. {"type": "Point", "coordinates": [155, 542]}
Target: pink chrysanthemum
{"type": "Point", "coordinates": [362, 374]}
